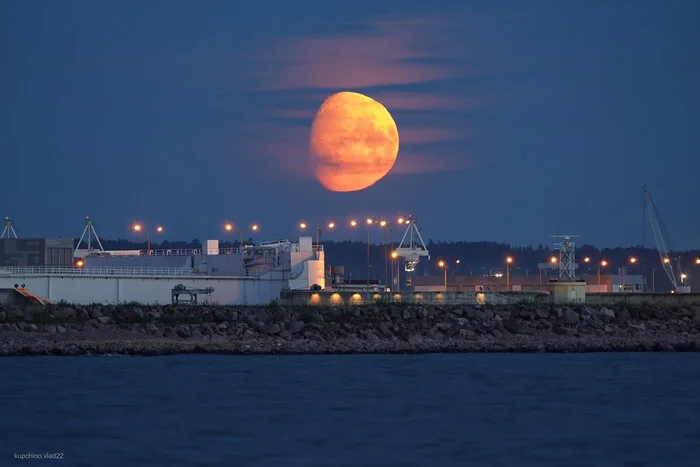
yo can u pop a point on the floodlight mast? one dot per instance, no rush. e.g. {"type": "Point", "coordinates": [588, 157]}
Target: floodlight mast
{"type": "Point", "coordinates": [412, 250]}
{"type": "Point", "coordinates": [88, 232]}
{"type": "Point", "coordinates": [9, 230]}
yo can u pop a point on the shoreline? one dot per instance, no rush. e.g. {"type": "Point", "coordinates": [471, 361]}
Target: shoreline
{"type": "Point", "coordinates": [372, 329]}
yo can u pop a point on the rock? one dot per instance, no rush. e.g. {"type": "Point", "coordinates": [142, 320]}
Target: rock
{"type": "Point", "coordinates": [542, 313]}
{"type": "Point", "coordinates": [422, 313]}
{"type": "Point", "coordinates": [220, 315]}
{"type": "Point", "coordinates": [406, 314]}
{"type": "Point", "coordinates": [3, 316]}
{"type": "Point", "coordinates": [473, 313]}
{"type": "Point", "coordinates": [570, 318]}
{"type": "Point", "coordinates": [95, 312]}
{"type": "Point", "coordinates": [512, 326]}
{"type": "Point", "coordinates": [183, 330]}
{"type": "Point", "coordinates": [65, 313]}
{"type": "Point", "coordinates": [296, 327]}
{"type": "Point", "coordinates": [273, 329]}
{"type": "Point", "coordinates": [622, 316]}
{"type": "Point", "coordinates": [104, 320]}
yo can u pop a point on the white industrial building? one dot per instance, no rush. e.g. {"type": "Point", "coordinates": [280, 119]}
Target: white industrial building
{"type": "Point", "coordinates": [250, 275]}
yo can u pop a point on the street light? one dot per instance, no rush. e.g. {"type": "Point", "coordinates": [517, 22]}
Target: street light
{"type": "Point", "coordinates": [138, 227]}
{"type": "Point", "coordinates": [508, 261]}
{"type": "Point", "coordinates": [603, 263]}
{"type": "Point", "coordinates": [387, 225]}
{"type": "Point", "coordinates": [395, 255]}
{"type": "Point", "coordinates": [633, 260]}
{"type": "Point", "coordinates": [697, 260]}
{"type": "Point", "coordinates": [369, 221]}
{"type": "Point", "coordinates": [443, 265]}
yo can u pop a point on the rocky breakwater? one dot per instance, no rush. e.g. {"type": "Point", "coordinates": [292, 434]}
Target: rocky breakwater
{"type": "Point", "coordinates": [162, 330]}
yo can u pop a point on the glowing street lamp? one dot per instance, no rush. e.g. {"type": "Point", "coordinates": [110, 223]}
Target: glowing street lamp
{"type": "Point", "coordinates": [302, 225]}
{"type": "Point", "coordinates": [443, 265]}
{"type": "Point", "coordinates": [395, 255]}
{"type": "Point", "coordinates": [603, 263]}
{"type": "Point", "coordinates": [138, 227]}
{"type": "Point", "coordinates": [509, 260]}
{"type": "Point", "coordinates": [331, 225]}
{"type": "Point", "coordinates": [553, 260]}
{"type": "Point", "coordinates": [697, 260]}
{"type": "Point", "coordinates": [633, 260]}
{"type": "Point", "coordinates": [369, 221]}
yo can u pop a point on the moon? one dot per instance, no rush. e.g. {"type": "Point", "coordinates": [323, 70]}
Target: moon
{"type": "Point", "coordinates": [354, 142]}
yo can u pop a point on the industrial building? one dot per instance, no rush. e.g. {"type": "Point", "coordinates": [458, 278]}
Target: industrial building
{"type": "Point", "coordinates": [36, 252]}
{"type": "Point", "coordinates": [249, 275]}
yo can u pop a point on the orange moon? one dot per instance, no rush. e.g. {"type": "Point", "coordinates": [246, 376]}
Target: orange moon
{"type": "Point", "coordinates": [354, 142]}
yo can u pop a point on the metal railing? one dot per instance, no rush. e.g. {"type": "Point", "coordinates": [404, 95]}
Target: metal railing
{"type": "Point", "coordinates": [95, 271]}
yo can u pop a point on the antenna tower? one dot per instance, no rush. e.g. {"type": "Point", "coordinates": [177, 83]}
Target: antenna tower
{"type": "Point", "coordinates": [567, 257]}
{"type": "Point", "coordinates": [88, 233]}
{"type": "Point", "coordinates": [8, 231]}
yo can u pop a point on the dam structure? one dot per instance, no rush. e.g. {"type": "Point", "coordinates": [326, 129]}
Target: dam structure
{"type": "Point", "coordinates": [247, 275]}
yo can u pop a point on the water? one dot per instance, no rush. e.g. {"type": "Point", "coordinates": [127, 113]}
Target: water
{"type": "Point", "coordinates": [369, 410]}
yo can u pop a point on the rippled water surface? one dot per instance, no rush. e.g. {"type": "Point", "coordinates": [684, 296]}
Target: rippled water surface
{"type": "Point", "coordinates": [369, 410]}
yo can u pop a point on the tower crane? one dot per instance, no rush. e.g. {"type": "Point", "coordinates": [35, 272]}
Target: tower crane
{"type": "Point", "coordinates": [661, 236]}
{"type": "Point", "coordinates": [411, 251]}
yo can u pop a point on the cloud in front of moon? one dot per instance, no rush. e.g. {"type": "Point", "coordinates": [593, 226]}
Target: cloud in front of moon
{"type": "Point", "coordinates": [354, 142]}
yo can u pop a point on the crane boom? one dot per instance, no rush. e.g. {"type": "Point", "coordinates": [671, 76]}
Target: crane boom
{"type": "Point", "coordinates": [656, 228]}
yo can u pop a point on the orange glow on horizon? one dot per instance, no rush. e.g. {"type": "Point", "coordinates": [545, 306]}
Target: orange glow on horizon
{"type": "Point", "coordinates": [353, 143]}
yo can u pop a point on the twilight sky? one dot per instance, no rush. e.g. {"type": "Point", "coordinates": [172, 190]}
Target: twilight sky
{"type": "Point", "coordinates": [515, 118]}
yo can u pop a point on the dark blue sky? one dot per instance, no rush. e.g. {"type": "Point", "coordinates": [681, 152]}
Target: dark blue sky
{"type": "Point", "coordinates": [515, 118]}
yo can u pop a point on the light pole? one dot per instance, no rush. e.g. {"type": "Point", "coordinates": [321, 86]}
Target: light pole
{"type": "Point", "coordinates": [443, 265]}
{"type": "Point", "coordinates": [395, 256]}
{"type": "Point", "coordinates": [138, 227]}
{"type": "Point", "coordinates": [509, 260]}
{"type": "Point", "coordinates": [369, 222]}
{"type": "Point", "coordinates": [387, 227]}
{"type": "Point", "coordinates": [603, 263]}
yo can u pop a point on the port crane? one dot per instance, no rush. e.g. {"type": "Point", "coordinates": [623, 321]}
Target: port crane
{"type": "Point", "coordinates": [413, 249]}
{"type": "Point", "coordinates": [661, 236]}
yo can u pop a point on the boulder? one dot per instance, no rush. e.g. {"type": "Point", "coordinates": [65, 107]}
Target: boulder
{"type": "Point", "coordinates": [622, 316]}
{"type": "Point", "coordinates": [570, 318]}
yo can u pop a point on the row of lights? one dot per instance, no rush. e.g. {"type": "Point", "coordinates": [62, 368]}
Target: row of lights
{"type": "Point", "coordinates": [229, 227]}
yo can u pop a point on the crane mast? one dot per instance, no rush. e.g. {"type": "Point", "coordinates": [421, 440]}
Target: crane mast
{"type": "Point", "coordinates": [658, 229]}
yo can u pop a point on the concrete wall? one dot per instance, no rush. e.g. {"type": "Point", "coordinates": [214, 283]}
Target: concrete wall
{"type": "Point", "coordinates": [148, 290]}
{"type": "Point", "coordinates": [326, 298]}
{"type": "Point", "coordinates": [636, 299]}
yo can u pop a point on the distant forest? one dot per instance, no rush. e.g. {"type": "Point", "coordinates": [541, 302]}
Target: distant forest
{"type": "Point", "coordinates": [475, 258]}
